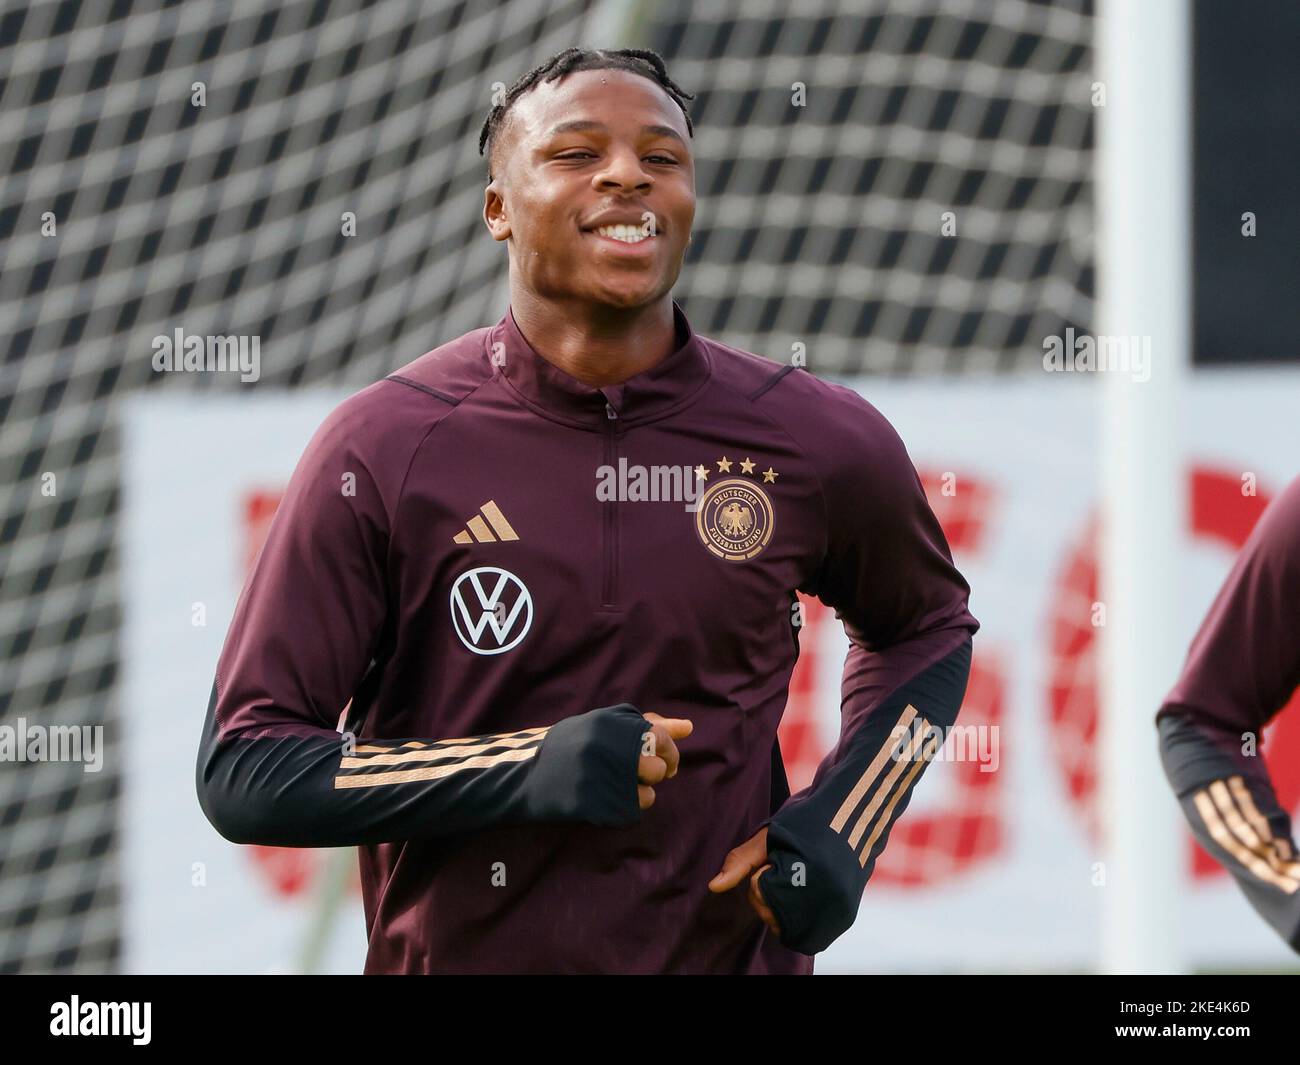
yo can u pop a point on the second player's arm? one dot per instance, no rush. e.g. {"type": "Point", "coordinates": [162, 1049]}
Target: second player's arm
{"type": "Point", "coordinates": [1242, 670]}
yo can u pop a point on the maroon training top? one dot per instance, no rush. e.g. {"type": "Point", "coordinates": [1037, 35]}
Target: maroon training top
{"type": "Point", "coordinates": [1244, 664]}
{"type": "Point", "coordinates": [448, 557]}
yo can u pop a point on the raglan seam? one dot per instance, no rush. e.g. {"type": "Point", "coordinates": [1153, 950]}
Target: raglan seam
{"type": "Point", "coordinates": [401, 491]}
{"type": "Point", "coordinates": [423, 388]}
{"type": "Point", "coordinates": [771, 383]}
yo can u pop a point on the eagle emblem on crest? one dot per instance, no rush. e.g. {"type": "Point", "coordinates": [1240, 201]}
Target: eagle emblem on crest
{"type": "Point", "coordinates": [735, 519]}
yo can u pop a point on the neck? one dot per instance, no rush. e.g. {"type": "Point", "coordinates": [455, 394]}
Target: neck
{"type": "Point", "coordinates": [598, 345]}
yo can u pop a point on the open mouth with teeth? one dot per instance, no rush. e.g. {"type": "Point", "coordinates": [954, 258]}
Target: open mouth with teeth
{"type": "Point", "coordinates": [624, 233]}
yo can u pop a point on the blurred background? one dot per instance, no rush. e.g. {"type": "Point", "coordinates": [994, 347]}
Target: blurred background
{"type": "Point", "coordinates": [916, 221]}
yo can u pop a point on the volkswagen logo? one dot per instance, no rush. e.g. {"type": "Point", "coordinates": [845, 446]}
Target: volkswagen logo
{"type": "Point", "coordinates": [491, 610]}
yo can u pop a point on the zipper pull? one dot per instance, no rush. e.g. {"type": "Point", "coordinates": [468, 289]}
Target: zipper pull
{"type": "Point", "coordinates": [610, 412]}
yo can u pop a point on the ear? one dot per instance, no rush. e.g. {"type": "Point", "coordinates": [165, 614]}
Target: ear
{"type": "Point", "coordinates": [494, 211]}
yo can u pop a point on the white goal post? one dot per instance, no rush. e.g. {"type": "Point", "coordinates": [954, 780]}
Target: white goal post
{"type": "Point", "coordinates": [1143, 252]}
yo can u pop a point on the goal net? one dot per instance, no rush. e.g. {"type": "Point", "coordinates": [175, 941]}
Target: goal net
{"type": "Point", "coordinates": [894, 188]}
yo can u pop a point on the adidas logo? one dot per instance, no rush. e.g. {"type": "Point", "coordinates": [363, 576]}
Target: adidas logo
{"type": "Point", "coordinates": [477, 529]}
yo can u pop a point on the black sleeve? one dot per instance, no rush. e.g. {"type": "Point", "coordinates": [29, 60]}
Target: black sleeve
{"type": "Point", "coordinates": [316, 788]}
{"type": "Point", "coordinates": [823, 844]}
{"type": "Point", "coordinates": [1229, 801]}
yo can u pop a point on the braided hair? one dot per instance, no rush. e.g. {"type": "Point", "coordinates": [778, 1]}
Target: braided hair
{"type": "Point", "coordinates": [638, 60]}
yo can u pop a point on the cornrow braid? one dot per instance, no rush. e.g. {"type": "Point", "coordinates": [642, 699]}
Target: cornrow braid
{"type": "Point", "coordinates": [638, 60]}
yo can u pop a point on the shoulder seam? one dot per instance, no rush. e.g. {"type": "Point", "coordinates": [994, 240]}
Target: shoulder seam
{"type": "Point", "coordinates": [423, 388]}
{"type": "Point", "coordinates": [772, 381]}
{"type": "Point", "coordinates": [401, 491]}
{"type": "Point", "coordinates": [410, 465]}
{"type": "Point", "coordinates": [415, 451]}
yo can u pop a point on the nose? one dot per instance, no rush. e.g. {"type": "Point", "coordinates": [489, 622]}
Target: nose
{"type": "Point", "coordinates": [623, 170]}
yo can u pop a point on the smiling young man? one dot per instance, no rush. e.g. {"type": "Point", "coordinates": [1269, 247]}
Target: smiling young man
{"type": "Point", "coordinates": [522, 653]}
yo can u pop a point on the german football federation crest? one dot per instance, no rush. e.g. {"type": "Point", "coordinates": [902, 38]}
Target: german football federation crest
{"type": "Point", "coordinates": [734, 518]}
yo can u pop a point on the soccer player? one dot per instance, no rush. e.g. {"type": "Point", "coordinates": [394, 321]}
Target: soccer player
{"type": "Point", "coordinates": [565, 697]}
{"type": "Point", "coordinates": [1243, 668]}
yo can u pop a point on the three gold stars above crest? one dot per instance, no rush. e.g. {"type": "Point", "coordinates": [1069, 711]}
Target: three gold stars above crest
{"type": "Point", "coordinates": [746, 466]}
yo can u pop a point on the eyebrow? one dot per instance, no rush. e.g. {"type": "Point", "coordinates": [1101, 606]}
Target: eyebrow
{"type": "Point", "coordinates": [586, 125]}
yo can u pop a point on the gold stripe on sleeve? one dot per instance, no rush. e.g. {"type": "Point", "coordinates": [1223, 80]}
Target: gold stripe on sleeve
{"type": "Point", "coordinates": [927, 754]}
{"type": "Point", "coordinates": [1280, 854]}
{"type": "Point", "coordinates": [1236, 823]}
{"type": "Point", "coordinates": [433, 772]}
{"type": "Point", "coordinates": [436, 753]}
{"type": "Point", "coordinates": [424, 745]}
{"type": "Point", "coordinates": [854, 797]}
{"type": "Point", "coordinates": [1241, 854]}
{"type": "Point", "coordinates": [882, 791]}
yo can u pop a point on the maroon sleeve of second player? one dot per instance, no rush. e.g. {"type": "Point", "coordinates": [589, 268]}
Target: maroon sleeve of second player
{"type": "Point", "coordinates": [1244, 664]}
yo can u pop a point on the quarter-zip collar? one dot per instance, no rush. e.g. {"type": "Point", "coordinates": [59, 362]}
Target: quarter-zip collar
{"type": "Point", "coordinates": [647, 396]}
